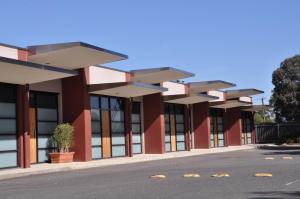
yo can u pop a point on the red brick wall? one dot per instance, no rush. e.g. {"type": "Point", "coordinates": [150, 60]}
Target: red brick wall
{"type": "Point", "coordinates": [76, 111]}
{"type": "Point", "coordinates": [201, 125]}
{"type": "Point", "coordinates": [234, 126]}
{"type": "Point", "coordinates": [154, 123]}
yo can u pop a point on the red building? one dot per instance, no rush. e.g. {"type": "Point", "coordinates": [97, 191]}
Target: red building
{"type": "Point", "coordinates": [115, 113]}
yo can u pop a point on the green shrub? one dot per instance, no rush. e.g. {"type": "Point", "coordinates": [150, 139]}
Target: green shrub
{"type": "Point", "coordinates": [63, 137]}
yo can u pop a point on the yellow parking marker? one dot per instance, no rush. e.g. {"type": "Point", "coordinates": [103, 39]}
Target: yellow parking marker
{"type": "Point", "coordinates": [263, 175]}
{"type": "Point", "coordinates": [269, 158]}
{"type": "Point", "coordinates": [287, 158]}
{"type": "Point", "coordinates": [220, 175]}
{"type": "Point", "coordinates": [158, 177]}
{"type": "Point", "coordinates": [191, 175]}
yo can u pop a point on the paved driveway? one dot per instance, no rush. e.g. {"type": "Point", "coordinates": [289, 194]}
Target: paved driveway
{"type": "Point", "coordinates": [132, 181]}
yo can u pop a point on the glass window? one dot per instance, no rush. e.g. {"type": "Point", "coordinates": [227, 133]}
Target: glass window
{"type": "Point", "coordinates": [8, 142]}
{"type": "Point", "coordinates": [8, 159]}
{"type": "Point", "coordinates": [8, 126]}
{"type": "Point", "coordinates": [94, 100]}
{"type": "Point", "coordinates": [180, 128]}
{"type": "Point", "coordinates": [118, 151]}
{"type": "Point", "coordinates": [117, 116]}
{"type": "Point", "coordinates": [45, 100]}
{"type": "Point", "coordinates": [117, 127]}
{"type": "Point", "coordinates": [136, 138]}
{"type": "Point", "coordinates": [95, 114]}
{"type": "Point", "coordinates": [117, 139]}
{"type": "Point", "coordinates": [7, 110]}
{"type": "Point", "coordinates": [96, 153]}
{"type": "Point", "coordinates": [46, 127]}
{"type": "Point", "coordinates": [116, 104]}
{"type": "Point", "coordinates": [137, 148]}
{"type": "Point", "coordinates": [180, 146]}
{"type": "Point", "coordinates": [96, 127]}
{"type": "Point", "coordinates": [47, 114]}
{"type": "Point", "coordinates": [96, 140]}
{"type": "Point", "coordinates": [104, 103]}
{"type": "Point", "coordinates": [135, 118]}
{"type": "Point", "coordinates": [136, 128]}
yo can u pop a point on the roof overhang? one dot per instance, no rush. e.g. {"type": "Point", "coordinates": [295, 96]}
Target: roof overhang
{"type": "Point", "coordinates": [197, 87]}
{"type": "Point", "coordinates": [255, 108]}
{"type": "Point", "coordinates": [230, 104]}
{"type": "Point", "coordinates": [158, 75]}
{"type": "Point", "coordinates": [188, 99]}
{"type": "Point", "coordinates": [233, 94]}
{"type": "Point", "coordinates": [20, 72]}
{"type": "Point", "coordinates": [125, 89]}
{"type": "Point", "coordinates": [72, 55]}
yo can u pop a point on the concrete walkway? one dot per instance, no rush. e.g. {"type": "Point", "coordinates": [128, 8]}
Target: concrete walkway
{"type": "Point", "coordinates": [51, 168]}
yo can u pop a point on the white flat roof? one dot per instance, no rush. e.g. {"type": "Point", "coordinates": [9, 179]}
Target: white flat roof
{"type": "Point", "coordinates": [188, 99]}
{"type": "Point", "coordinates": [232, 94]}
{"type": "Point", "coordinates": [158, 75]}
{"type": "Point", "coordinates": [196, 87]}
{"type": "Point", "coordinates": [21, 72]}
{"type": "Point", "coordinates": [72, 55]}
{"type": "Point", "coordinates": [231, 104]}
{"type": "Point", "coordinates": [125, 89]}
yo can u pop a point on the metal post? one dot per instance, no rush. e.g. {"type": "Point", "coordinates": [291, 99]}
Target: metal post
{"type": "Point", "coordinates": [278, 131]}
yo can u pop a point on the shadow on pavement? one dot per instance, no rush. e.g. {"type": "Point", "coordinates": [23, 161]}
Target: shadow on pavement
{"type": "Point", "coordinates": [276, 195]}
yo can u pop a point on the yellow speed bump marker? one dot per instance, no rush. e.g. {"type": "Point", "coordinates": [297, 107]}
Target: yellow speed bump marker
{"type": "Point", "coordinates": [287, 158]}
{"type": "Point", "coordinates": [263, 175]}
{"type": "Point", "coordinates": [220, 175]}
{"type": "Point", "coordinates": [191, 175]}
{"type": "Point", "coordinates": [158, 177]}
{"type": "Point", "coordinates": [269, 158]}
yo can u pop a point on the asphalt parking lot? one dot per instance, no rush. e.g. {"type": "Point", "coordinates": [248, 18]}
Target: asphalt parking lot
{"type": "Point", "coordinates": [133, 180]}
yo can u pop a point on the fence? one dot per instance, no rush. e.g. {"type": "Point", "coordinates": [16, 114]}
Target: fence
{"type": "Point", "coordinates": [275, 133]}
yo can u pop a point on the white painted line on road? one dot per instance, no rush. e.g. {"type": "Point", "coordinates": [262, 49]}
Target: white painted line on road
{"type": "Point", "coordinates": [288, 184]}
{"type": "Point", "coordinates": [287, 158]}
{"type": "Point", "coordinates": [158, 177]}
{"type": "Point", "coordinates": [220, 175]}
{"type": "Point", "coordinates": [191, 175]}
{"type": "Point", "coordinates": [263, 175]}
{"type": "Point", "coordinates": [269, 158]}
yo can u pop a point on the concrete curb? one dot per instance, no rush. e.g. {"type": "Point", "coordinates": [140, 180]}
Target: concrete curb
{"type": "Point", "coordinates": [277, 147]}
{"type": "Point", "coordinates": [54, 168]}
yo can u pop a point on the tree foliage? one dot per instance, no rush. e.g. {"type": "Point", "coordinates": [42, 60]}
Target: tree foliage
{"type": "Point", "coordinates": [63, 137]}
{"type": "Point", "coordinates": [286, 93]}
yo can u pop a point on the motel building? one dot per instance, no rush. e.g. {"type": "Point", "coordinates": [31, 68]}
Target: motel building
{"type": "Point", "coordinates": [115, 113]}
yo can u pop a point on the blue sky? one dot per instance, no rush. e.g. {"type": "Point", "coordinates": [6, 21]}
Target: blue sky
{"type": "Point", "coordinates": [237, 41]}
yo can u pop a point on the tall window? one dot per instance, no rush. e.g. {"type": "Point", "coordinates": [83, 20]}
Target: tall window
{"type": "Point", "coordinates": [246, 129]}
{"type": "Point", "coordinates": [136, 128]}
{"type": "Point", "coordinates": [216, 128]}
{"type": "Point", "coordinates": [96, 128]}
{"type": "Point", "coordinates": [108, 128]}
{"type": "Point", "coordinates": [8, 126]}
{"type": "Point", "coordinates": [117, 127]}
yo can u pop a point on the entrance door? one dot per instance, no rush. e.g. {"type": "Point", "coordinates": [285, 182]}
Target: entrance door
{"type": "Point", "coordinates": [108, 128]}
{"type": "Point", "coordinates": [216, 128]}
{"type": "Point", "coordinates": [174, 127]}
{"type": "Point", "coordinates": [43, 118]}
{"type": "Point", "coordinates": [247, 130]}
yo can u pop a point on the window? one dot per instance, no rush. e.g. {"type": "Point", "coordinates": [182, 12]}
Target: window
{"type": "Point", "coordinates": [8, 126]}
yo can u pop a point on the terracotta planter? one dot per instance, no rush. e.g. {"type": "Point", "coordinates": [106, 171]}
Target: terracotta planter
{"type": "Point", "coordinates": [61, 157]}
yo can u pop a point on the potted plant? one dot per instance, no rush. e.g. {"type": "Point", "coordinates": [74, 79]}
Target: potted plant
{"type": "Point", "coordinates": [63, 138]}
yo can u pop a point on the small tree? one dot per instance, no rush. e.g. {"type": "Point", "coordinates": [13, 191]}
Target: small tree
{"type": "Point", "coordinates": [63, 137]}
